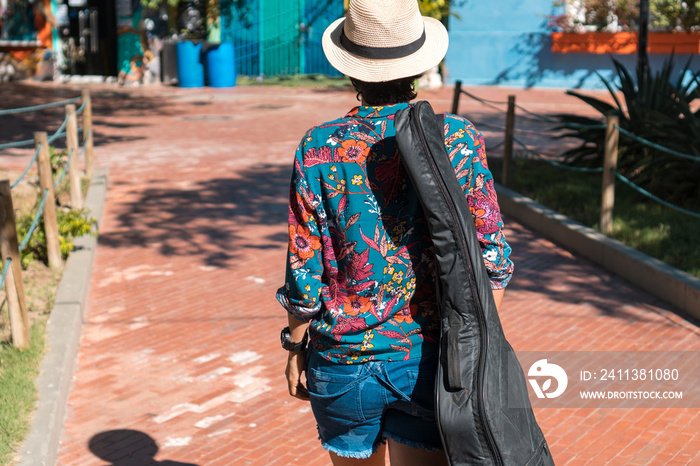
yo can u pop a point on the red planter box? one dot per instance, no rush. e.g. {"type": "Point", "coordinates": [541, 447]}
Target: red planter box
{"type": "Point", "coordinates": [624, 42]}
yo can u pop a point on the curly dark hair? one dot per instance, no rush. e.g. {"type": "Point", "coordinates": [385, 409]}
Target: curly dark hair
{"type": "Point", "coordinates": [386, 92]}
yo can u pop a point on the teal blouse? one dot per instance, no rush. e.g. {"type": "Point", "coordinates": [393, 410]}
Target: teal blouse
{"type": "Point", "coordinates": [360, 265]}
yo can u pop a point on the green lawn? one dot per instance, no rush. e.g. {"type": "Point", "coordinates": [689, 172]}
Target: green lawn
{"type": "Point", "coordinates": [644, 225]}
{"type": "Point", "coordinates": [17, 390]}
{"type": "Point", "coordinates": [297, 80]}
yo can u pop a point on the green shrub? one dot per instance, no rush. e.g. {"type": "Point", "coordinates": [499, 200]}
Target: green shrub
{"type": "Point", "coordinates": [57, 158]}
{"type": "Point", "coordinates": [71, 224]}
{"type": "Point", "coordinates": [623, 15]}
{"type": "Point", "coordinates": [676, 15]}
{"type": "Point", "coordinates": [660, 110]}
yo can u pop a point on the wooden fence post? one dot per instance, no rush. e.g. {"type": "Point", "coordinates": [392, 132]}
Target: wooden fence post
{"type": "Point", "coordinates": [508, 143]}
{"type": "Point", "coordinates": [612, 136]}
{"type": "Point", "coordinates": [88, 133]}
{"type": "Point", "coordinates": [14, 287]}
{"type": "Point", "coordinates": [72, 145]}
{"type": "Point", "coordinates": [455, 98]}
{"type": "Point", "coordinates": [53, 245]}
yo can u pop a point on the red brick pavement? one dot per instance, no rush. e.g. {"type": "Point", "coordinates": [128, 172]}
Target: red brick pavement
{"type": "Point", "coordinates": [180, 355]}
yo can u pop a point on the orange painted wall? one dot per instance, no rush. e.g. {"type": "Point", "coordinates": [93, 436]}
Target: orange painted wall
{"type": "Point", "coordinates": [45, 27]}
{"type": "Point", "coordinates": [45, 33]}
{"type": "Point", "coordinates": [624, 42]}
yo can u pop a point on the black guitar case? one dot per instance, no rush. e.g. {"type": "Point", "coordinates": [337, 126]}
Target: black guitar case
{"type": "Point", "coordinates": [482, 406]}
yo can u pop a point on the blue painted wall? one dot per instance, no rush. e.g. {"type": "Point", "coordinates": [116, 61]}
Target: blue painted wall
{"type": "Point", "coordinates": [506, 42]}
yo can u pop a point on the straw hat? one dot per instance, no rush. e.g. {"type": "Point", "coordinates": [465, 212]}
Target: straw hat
{"type": "Point", "coordinates": [383, 40]}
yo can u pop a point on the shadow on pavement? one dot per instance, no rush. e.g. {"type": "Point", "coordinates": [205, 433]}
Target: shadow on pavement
{"type": "Point", "coordinates": [128, 447]}
{"type": "Point", "coordinates": [207, 218]}
{"type": "Point", "coordinates": [571, 280]}
{"type": "Point", "coordinates": [107, 104]}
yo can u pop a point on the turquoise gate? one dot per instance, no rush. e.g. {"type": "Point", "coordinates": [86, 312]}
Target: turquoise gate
{"type": "Point", "coordinates": [278, 37]}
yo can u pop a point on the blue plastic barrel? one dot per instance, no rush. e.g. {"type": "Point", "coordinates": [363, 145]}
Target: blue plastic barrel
{"type": "Point", "coordinates": [221, 65]}
{"type": "Point", "coordinates": [190, 70]}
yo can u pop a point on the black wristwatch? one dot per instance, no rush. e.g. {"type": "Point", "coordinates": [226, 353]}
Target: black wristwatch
{"type": "Point", "coordinates": [287, 344]}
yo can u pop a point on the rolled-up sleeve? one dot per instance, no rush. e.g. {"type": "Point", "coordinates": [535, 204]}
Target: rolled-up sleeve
{"type": "Point", "coordinates": [465, 145]}
{"type": "Point", "coordinates": [300, 295]}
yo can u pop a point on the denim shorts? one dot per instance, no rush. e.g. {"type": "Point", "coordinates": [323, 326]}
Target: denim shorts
{"type": "Point", "coordinates": [357, 406]}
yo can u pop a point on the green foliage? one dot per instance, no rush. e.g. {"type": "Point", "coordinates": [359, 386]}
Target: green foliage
{"type": "Point", "coordinates": [18, 368]}
{"type": "Point", "coordinates": [295, 80]}
{"type": "Point", "coordinates": [154, 4]}
{"type": "Point", "coordinates": [623, 15]}
{"type": "Point", "coordinates": [71, 224]}
{"type": "Point", "coordinates": [440, 9]}
{"type": "Point", "coordinates": [600, 13]}
{"type": "Point", "coordinates": [660, 110]}
{"type": "Point", "coordinates": [57, 158]}
{"type": "Point", "coordinates": [437, 9]}
{"type": "Point", "coordinates": [675, 14]}
{"type": "Point", "coordinates": [603, 15]}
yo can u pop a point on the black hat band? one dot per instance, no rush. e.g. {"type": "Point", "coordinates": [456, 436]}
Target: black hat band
{"type": "Point", "coordinates": [381, 53]}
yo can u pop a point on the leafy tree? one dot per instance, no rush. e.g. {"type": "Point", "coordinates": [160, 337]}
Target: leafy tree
{"type": "Point", "coordinates": [676, 15]}
{"type": "Point", "coordinates": [437, 9]}
{"type": "Point", "coordinates": [614, 15]}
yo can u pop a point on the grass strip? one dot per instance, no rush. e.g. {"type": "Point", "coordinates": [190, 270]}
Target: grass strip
{"type": "Point", "coordinates": [18, 393]}
{"type": "Point", "coordinates": [637, 222]}
{"type": "Point", "coordinates": [295, 80]}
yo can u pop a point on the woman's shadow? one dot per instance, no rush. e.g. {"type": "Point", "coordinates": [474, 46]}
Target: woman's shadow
{"type": "Point", "coordinates": [128, 447]}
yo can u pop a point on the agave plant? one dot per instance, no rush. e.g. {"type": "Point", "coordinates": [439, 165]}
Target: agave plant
{"type": "Point", "coordinates": [660, 111]}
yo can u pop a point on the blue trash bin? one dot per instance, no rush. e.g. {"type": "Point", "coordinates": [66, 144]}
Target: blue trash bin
{"type": "Point", "coordinates": [190, 70]}
{"type": "Point", "coordinates": [221, 65]}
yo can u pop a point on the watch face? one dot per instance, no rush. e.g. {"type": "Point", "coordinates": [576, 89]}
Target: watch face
{"type": "Point", "coordinates": [287, 344]}
{"type": "Point", "coordinates": [285, 337]}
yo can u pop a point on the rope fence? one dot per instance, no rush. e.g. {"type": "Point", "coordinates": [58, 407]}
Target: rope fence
{"type": "Point", "coordinates": [81, 108]}
{"type": "Point", "coordinates": [26, 170]}
{"type": "Point", "coordinates": [65, 169]}
{"type": "Point", "coordinates": [610, 174]}
{"type": "Point", "coordinates": [498, 144]}
{"type": "Point", "coordinates": [60, 132]}
{"type": "Point", "coordinates": [503, 128]}
{"type": "Point", "coordinates": [646, 193]}
{"type": "Point", "coordinates": [4, 271]}
{"type": "Point", "coordinates": [488, 103]}
{"type": "Point", "coordinates": [487, 125]}
{"type": "Point", "coordinates": [535, 116]}
{"type": "Point", "coordinates": [11, 251]}
{"type": "Point", "coordinates": [35, 222]}
{"type": "Point", "coordinates": [36, 108]}
{"type": "Point", "coordinates": [12, 145]}
{"type": "Point", "coordinates": [657, 146]}
{"type": "Point", "coordinates": [558, 164]}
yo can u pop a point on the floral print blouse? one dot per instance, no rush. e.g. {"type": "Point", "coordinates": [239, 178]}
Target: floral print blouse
{"type": "Point", "coordinates": [360, 265]}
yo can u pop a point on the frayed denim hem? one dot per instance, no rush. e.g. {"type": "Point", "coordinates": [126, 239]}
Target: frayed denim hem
{"type": "Point", "coordinates": [411, 443]}
{"type": "Point", "coordinates": [362, 454]}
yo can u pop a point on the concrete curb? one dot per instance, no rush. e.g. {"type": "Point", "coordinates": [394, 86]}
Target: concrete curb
{"type": "Point", "coordinates": [63, 332]}
{"type": "Point", "coordinates": [674, 286]}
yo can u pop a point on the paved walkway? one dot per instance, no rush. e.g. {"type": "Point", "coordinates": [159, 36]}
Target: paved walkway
{"type": "Point", "coordinates": [180, 358]}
